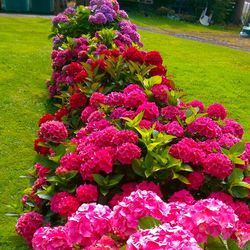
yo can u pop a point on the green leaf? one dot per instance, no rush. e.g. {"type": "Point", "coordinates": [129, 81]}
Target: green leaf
{"type": "Point", "coordinates": [135, 122]}
{"type": "Point", "coordinates": [180, 178]}
{"type": "Point", "coordinates": [237, 160]}
{"type": "Point", "coordinates": [150, 82]}
{"type": "Point", "coordinates": [115, 179]}
{"type": "Point", "coordinates": [238, 148]}
{"type": "Point", "coordinates": [148, 222]}
{"type": "Point", "coordinates": [69, 176]}
{"type": "Point", "coordinates": [186, 167]}
{"type": "Point", "coordinates": [104, 191]}
{"type": "Point", "coordinates": [243, 184]}
{"type": "Point", "coordinates": [232, 245]}
{"type": "Point", "coordinates": [54, 178]}
{"type": "Point", "coordinates": [138, 168]}
{"type": "Point", "coordinates": [12, 214]}
{"type": "Point", "coordinates": [99, 179]}
{"type": "Point", "coordinates": [247, 246]}
{"type": "Point", "coordinates": [236, 176]}
{"type": "Point", "coordinates": [225, 151]}
{"type": "Point", "coordinates": [123, 247]}
{"type": "Point", "coordinates": [44, 196]}
{"type": "Point", "coordinates": [216, 243]}
{"type": "Point", "coordinates": [239, 192]}
{"type": "Point", "coordinates": [148, 163]}
{"type": "Point", "coordinates": [151, 146]}
{"type": "Point", "coordinates": [160, 158]}
{"type": "Point", "coordinates": [30, 204]}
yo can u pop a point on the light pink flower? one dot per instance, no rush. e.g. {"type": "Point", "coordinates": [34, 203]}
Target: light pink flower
{"type": "Point", "coordinates": [46, 238]}
{"type": "Point", "coordinates": [163, 237]}
{"type": "Point", "coordinates": [88, 224]}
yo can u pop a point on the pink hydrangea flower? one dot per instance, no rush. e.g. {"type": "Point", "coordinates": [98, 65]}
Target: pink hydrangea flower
{"type": "Point", "coordinates": [53, 131]}
{"type": "Point", "coordinates": [145, 124]}
{"type": "Point", "coordinates": [197, 104]}
{"type": "Point", "coordinates": [102, 138]}
{"type": "Point", "coordinates": [127, 152]}
{"type": "Point", "coordinates": [130, 187]}
{"type": "Point", "coordinates": [115, 99]}
{"type": "Point", "coordinates": [135, 98]}
{"type": "Point", "coordinates": [87, 112]}
{"type": "Point", "coordinates": [124, 136]}
{"type": "Point", "coordinates": [228, 140]}
{"type": "Point", "coordinates": [41, 170]}
{"type": "Point", "coordinates": [226, 198]}
{"type": "Point", "coordinates": [69, 162]}
{"type": "Point", "coordinates": [174, 128]}
{"type": "Point", "coordinates": [47, 238]}
{"type": "Point", "coordinates": [217, 111]}
{"type": "Point", "coordinates": [96, 99]}
{"type": "Point", "coordinates": [99, 160]}
{"type": "Point", "coordinates": [88, 224]}
{"type": "Point", "coordinates": [182, 196]}
{"type": "Point", "coordinates": [209, 217]}
{"type": "Point", "coordinates": [163, 237]}
{"type": "Point", "coordinates": [209, 146]}
{"type": "Point", "coordinates": [233, 128]}
{"type": "Point", "coordinates": [105, 243]}
{"type": "Point", "coordinates": [205, 126]}
{"type": "Point", "coordinates": [141, 203]}
{"type": "Point", "coordinates": [196, 180]}
{"type": "Point", "coordinates": [96, 116]}
{"type": "Point", "coordinates": [188, 151]}
{"type": "Point", "coordinates": [117, 113]}
{"type": "Point", "coordinates": [132, 87]}
{"type": "Point", "coordinates": [87, 193]}
{"type": "Point", "coordinates": [41, 181]}
{"type": "Point", "coordinates": [64, 204]}
{"type": "Point", "coordinates": [27, 224]}
{"type": "Point", "coordinates": [245, 157]}
{"type": "Point", "coordinates": [151, 111]}
{"type": "Point", "coordinates": [242, 234]}
{"type": "Point", "coordinates": [97, 126]}
{"type": "Point", "coordinates": [218, 165]}
{"type": "Point", "coordinates": [160, 91]}
{"type": "Point", "coordinates": [172, 112]}
{"type": "Point", "coordinates": [242, 210]}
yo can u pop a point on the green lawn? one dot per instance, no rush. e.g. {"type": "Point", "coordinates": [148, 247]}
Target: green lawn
{"type": "Point", "coordinates": [206, 72]}
{"type": "Point", "coordinates": [173, 25]}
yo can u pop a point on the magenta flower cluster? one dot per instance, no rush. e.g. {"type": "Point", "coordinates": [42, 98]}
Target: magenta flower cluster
{"type": "Point", "coordinates": [183, 226]}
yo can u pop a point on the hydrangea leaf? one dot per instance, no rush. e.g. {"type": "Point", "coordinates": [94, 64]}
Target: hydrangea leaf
{"type": "Point", "coordinates": [238, 148]}
{"type": "Point", "coordinates": [148, 222]}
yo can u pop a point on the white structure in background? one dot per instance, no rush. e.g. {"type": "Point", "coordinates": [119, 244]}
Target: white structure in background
{"type": "Point", "coordinates": [205, 19]}
{"type": "Point", "coordinates": [245, 19]}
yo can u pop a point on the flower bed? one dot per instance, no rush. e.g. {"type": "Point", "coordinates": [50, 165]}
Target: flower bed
{"type": "Point", "coordinates": [123, 143]}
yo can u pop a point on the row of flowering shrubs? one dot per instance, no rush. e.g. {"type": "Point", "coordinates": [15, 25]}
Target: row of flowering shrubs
{"type": "Point", "coordinates": [122, 142]}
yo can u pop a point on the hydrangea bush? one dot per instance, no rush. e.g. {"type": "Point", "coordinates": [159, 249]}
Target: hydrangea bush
{"type": "Point", "coordinates": [128, 164]}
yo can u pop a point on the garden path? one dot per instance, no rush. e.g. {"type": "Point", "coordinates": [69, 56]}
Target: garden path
{"type": "Point", "coordinates": [229, 40]}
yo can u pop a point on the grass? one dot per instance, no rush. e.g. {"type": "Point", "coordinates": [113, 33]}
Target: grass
{"type": "Point", "coordinates": [25, 64]}
{"type": "Point", "coordinates": [173, 25]}
{"type": "Point", "coordinates": [207, 72]}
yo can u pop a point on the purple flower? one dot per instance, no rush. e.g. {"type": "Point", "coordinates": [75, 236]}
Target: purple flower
{"type": "Point", "coordinates": [98, 18]}
{"type": "Point", "coordinates": [60, 19]}
{"type": "Point", "coordinates": [56, 39]}
{"type": "Point", "coordinates": [123, 14]}
{"type": "Point", "coordinates": [69, 11]}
